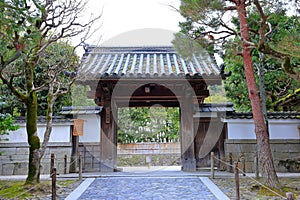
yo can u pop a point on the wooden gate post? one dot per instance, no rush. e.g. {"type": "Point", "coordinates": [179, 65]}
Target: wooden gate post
{"type": "Point", "coordinates": [187, 134]}
{"type": "Point", "coordinates": [108, 146]}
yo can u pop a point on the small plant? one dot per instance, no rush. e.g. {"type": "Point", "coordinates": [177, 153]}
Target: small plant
{"type": "Point", "coordinates": [292, 165]}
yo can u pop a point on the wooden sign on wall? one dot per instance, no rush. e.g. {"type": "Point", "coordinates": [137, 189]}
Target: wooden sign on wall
{"type": "Point", "coordinates": [78, 127]}
{"type": "Point", "coordinates": [107, 116]}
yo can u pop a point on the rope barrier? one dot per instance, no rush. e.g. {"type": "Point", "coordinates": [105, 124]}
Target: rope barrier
{"type": "Point", "coordinates": [74, 161]}
{"type": "Point", "coordinates": [261, 184]}
{"type": "Point", "coordinates": [51, 174]}
{"type": "Point", "coordinates": [33, 187]}
{"type": "Point", "coordinates": [224, 162]}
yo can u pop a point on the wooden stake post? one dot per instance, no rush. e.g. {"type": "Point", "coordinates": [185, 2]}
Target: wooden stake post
{"type": "Point", "coordinates": [52, 162]}
{"type": "Point", "coordinates": [237, 183]}
{"type": "Point", "coordinates": [80, 167]}
{"type": "Point", "coordinates": [65, 164]}
{"type": "Point", "coordinates": [53, 176]}
{"type": "Point", "coordinates": [289, 196]}
{"type": "Point", "coordinates": [212, 163]}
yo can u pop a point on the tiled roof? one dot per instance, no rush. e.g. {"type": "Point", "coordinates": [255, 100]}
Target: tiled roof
{"type": "Point", "coordinates": [80, 110]}
{"type": "Point", "coordinates": [228, 109]}
{"type": "Point", "coordinates": [215, 107]}
{"type": "Point", "coordinates": [42, 119]}
{"type": "Point", "coordinates": [271, 115]}
{"type": "Point", "coordinates": [144, 62]}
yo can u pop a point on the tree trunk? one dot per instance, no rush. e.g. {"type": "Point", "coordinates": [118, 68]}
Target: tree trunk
{"type": "Point", "coordinates": [263, 145]}
{"type": "Point", "coordinates": [33, 176]}
{"type": "Point", "coordinates": [51, 98]}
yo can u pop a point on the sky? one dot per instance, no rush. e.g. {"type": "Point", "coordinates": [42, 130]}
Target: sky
{"type": "Point", "coordinates": [134, 22]}
{"type": "Point", "coordinates": [123, 16]}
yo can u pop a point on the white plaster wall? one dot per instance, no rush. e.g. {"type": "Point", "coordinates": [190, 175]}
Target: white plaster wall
{"type": "Point", "coordinates": [279, 129]}
{"type": "Point", "coordinates": [284, 129]}
{"type": "Point", "coordinates": [60, 133]}
{"type": "Point", "coordinates": [91, 128]}
{"type": "Point", "coordinates": [17, 136]}
{"type": "Point", "coordinates": [240, 130]}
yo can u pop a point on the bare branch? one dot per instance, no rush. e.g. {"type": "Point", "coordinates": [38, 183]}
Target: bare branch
{"type": "Point", "coordinates": [262, 24]}
{"type": "Point", "coordinates": [270, 29]}
{"type": "Point", "coordinates": [4, 64]}
{"type": "Point", "coordinates": [68, 87]}
{"type": "Point", "coordinates": [63, 17]}
{"type": "Point", "coordinates": [230, 8]}
{"type": "Point", "coordinates": [233, 1]}
{"type": "Point", "coordinates": [14, 90]}
{"type": "Point", "coordinates": [223, 24]}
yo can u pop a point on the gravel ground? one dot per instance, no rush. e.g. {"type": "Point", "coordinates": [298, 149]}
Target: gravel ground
{"type": "Point", "coordinates": [63, 192]}
{"type": "Point", "coordinates": [251, 190]}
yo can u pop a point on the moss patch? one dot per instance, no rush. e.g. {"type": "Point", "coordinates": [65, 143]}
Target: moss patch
{"type": "Point", "coordinates": [287, 186]}
{"type": "Point", "coordinates": [13, 189]}
{"type": "Point", "coordinates": [66, 183]}
{"type": "Point", "coordinates": [35, 142]}
{"type": "Point", "coordinates": [265, 192]}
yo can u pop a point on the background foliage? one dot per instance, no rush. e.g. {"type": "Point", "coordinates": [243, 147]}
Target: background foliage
{"type": "Point", "coordinates": [7, 122]}
{"type": "Point", "coordinates": [207, 28]}
{"type": "Point", "coordinates": [278, 83]}
{"type": "Point", "coordinates": [155, 124]}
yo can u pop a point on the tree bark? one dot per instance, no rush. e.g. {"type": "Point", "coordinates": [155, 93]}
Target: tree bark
{"type": "Point", "coordinates": [263, 145]}
{"type": "Point", "coordinates": [51, 98]}
{"type": "Point", "coordinates": [33, 176]}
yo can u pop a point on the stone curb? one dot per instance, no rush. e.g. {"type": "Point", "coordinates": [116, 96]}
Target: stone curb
{"type": "Point", "coordinates": [213, 188]}
{"type": "Point", "coordinates": [80, 189]}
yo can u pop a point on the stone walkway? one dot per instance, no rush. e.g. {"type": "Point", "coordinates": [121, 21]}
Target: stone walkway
{"type": "Point", "coordinates": [147, 188]}
{"type": "Point", "coordinates": [159, 185]}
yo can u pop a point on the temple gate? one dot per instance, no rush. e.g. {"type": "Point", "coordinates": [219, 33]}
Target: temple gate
{"type": "Point", "coordinates": [145, 77]}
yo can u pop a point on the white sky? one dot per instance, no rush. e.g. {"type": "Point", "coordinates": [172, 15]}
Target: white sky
{"type": "Point", "coordinates": [120, 16]}
{"type": "Point", "coordinates": [134, 22]}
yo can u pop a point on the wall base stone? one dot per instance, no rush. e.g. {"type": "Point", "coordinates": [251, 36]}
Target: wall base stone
{"type": "Point", "coordinates": [14, 158]}
{"type": "Point", "coordinates": [281, 151]}
{"type": "Point", "coordinates": [155, 160]}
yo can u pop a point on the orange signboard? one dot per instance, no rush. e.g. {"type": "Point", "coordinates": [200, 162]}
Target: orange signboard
{"type": "Point", "coordinates": [78, 127]}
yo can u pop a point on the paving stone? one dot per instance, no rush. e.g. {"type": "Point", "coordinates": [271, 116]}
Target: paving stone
{"type": "Point", "coordinates": [147, 188]}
